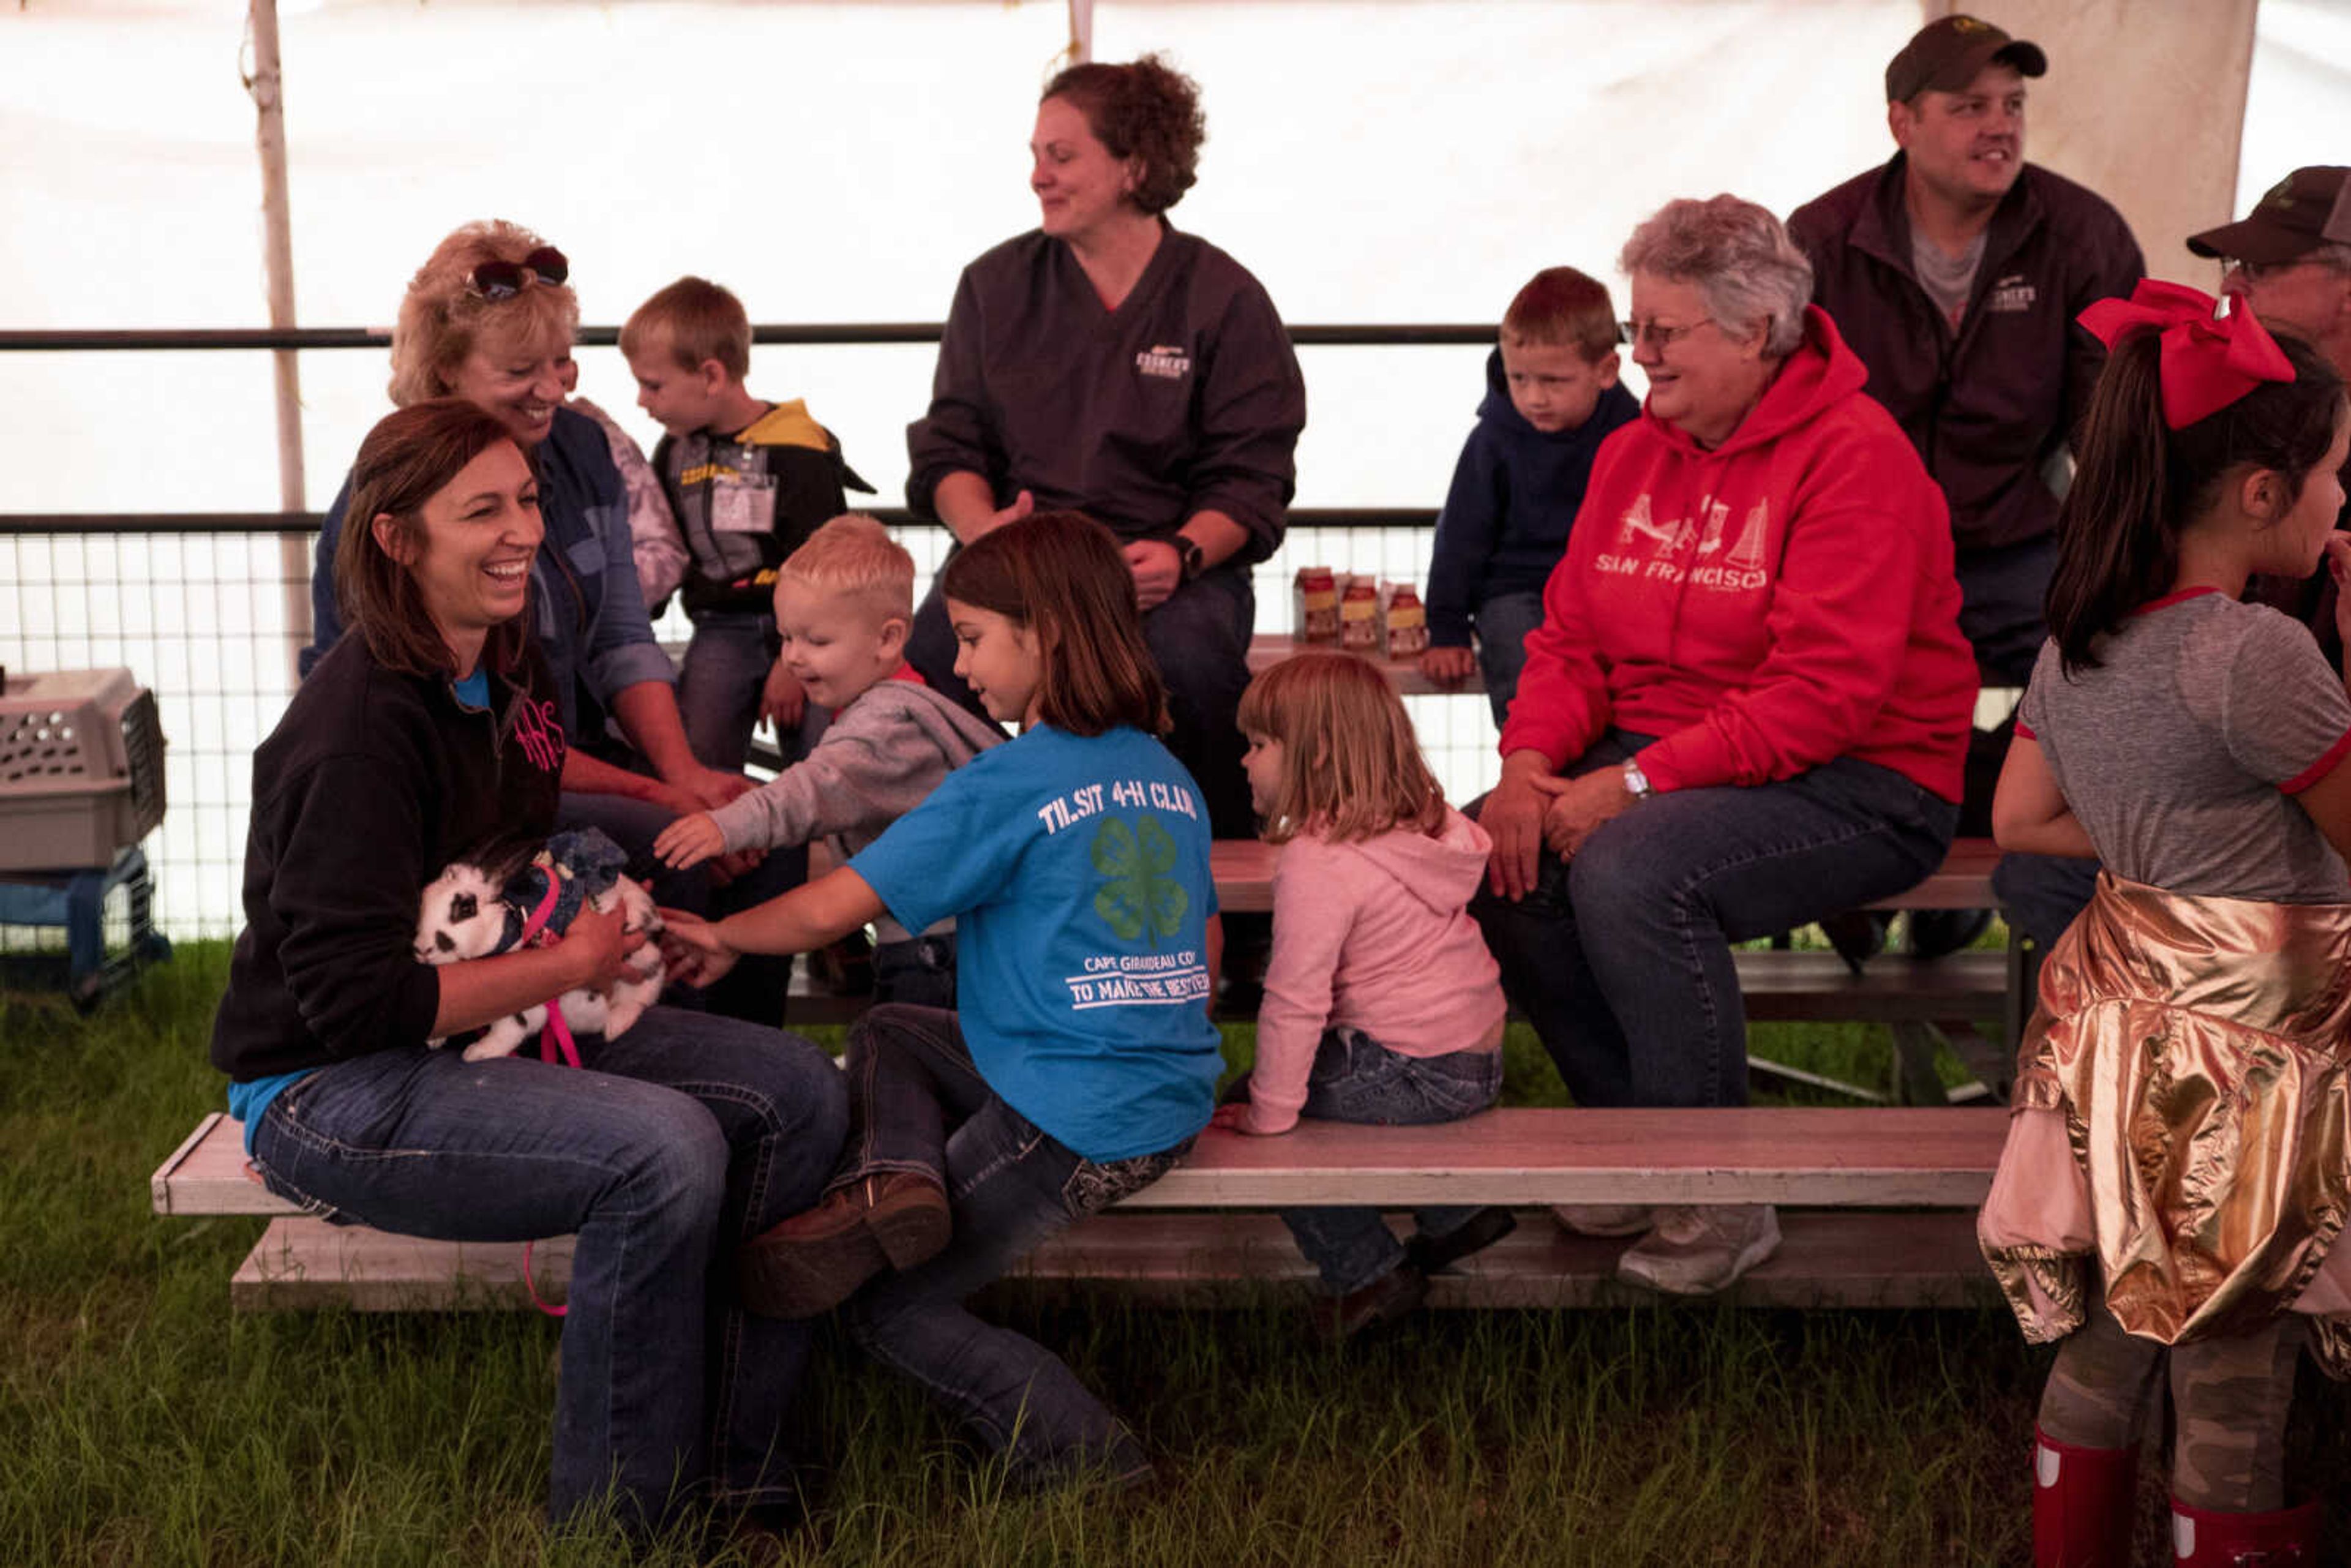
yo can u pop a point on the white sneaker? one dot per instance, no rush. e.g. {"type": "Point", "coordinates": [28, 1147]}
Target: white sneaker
{"type": "Point", "coordinates": [1604, 1219]}
{"type": "Point", "coordinates": [1697, 1251]}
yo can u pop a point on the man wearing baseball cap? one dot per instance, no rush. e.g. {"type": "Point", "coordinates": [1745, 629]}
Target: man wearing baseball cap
{"type": "Point", "coordinates": [2291, 261]}
{"type": "Point", "coordinates": [1955, 271]}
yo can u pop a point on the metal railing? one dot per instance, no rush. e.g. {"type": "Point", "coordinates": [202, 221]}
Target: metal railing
{"type": "Point", "coordinates": [1357, 335]}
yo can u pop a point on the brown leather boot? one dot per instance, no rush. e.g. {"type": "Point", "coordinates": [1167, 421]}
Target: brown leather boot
{"type": "Point", "coordinates": [812, 1262]}
{"type": "Point", "coordinates": [1395, 1294]}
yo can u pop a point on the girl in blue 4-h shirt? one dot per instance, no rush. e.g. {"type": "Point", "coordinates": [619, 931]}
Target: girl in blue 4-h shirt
{"type": "Point", "coordinates": [1075, 862]}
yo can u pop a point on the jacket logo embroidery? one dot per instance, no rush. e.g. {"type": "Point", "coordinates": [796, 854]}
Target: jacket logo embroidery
{"type": "Point", "coordinates": [2009, 295]}
{"type": "Point", "coordinates": [541, 734]}
{"type": "Point", "coordinates": [1168, 361]}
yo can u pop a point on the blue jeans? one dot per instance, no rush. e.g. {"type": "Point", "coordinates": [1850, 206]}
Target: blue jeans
{"type": "Point", "coordinates": [1503, 621]}
{"type": "Point", "coordinates": [917, 1104]}
{"type": "Point", "coordinates": [2001, 592]}
{"type": "Point", "coordinates": [2042, 893]}
{"type": "Point", "coordinates": [719, 683]}
{"type": "Point", "coordinates": [1199, 637]}
{"type": "Point", "coordinates": [754, 988]}
{"type": "Point", "coordinates": [681, 1140]}
{"type": "Point", "coordinates": [1357, 1079]}
{"type": "Point", "coordinates": [1621, 959]}
{"type": "Point", "coordinates": [919, 971]}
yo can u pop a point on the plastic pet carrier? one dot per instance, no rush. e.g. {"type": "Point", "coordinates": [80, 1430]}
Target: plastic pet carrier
{"type": "Point", "coordinates": [81, 769]}
{"type": "Point", "coordinates": [81, 782]}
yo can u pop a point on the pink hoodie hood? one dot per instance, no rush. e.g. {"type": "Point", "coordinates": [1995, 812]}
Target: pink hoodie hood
{"type": "Point", "coordinates": [1373, 935]}
{"type": "Point", "coordinates": [1442, 872]}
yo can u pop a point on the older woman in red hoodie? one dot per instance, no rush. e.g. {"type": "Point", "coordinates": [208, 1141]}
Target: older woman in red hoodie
{"type": "Point", "coordinates": [1746, 708]}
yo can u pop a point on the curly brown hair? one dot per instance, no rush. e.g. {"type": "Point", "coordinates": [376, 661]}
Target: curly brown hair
{"type": "Point", "coordinates": [1145, 110]}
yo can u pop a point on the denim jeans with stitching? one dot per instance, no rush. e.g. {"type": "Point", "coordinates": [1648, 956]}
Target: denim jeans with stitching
{"type": "Point", "coordinates": [754, 988]}
{"type": "Point", "coordinates": [719, 683]}
{"type": "Point", "coordinates": [677, 1142]}
{"type": "Point", "coordinates": [1357, 1079]}
{"type": "Point", "coordinates": [1503, 621]}
{"type": "Point", "coordinates": [1621, 959]}
{"type": "Point", "coordinates": [919, 971]}
{"type": "Point", "coordinates": [917, 1104]}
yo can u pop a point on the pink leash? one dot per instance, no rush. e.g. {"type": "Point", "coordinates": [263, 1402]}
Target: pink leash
{"type": "Point", "coordinates": [555, 1043]}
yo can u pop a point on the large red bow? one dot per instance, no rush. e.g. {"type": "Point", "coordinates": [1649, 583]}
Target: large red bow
{"type": "Point", "coordinates": [2207, 363]}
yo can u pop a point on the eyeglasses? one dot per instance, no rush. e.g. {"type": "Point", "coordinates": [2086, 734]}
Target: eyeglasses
{"type": "Point", "coordinates": [1655, 335]}
{"type": "Point", "coordinates": [2327, 256]}
{"type": "Point", "coordinates": [504, 280]}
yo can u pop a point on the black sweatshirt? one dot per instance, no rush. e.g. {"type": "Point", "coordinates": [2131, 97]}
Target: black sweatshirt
{"type": "Point", "coordinates": [1187, 398]}
{"type": "Point", "coordinates": [370, 785]}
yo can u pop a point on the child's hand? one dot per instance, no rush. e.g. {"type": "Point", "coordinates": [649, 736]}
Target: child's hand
{"type": "Point", "coordinates": [1240, 1119]}
{"type": "Point", "coordinates": [598, 943]}
{"type": "Point", "coordinates": [781, 700]}
{"type": "Point", "coordinates": [697, 954]}
{"type": "Point", "coordinates": [689, 841]}
{"type": "Point", "coordinates": [1449, 663]}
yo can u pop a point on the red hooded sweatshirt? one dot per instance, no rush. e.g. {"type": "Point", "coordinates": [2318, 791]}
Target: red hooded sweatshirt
{"type": "Point", "coordinates": [1781, 600]}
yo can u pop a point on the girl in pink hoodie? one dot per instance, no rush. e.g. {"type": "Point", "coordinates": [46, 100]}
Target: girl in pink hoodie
{"type": "Point", "coordinates": [1382, 1004]}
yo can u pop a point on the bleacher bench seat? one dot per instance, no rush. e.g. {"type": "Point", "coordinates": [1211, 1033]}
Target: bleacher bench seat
{"type": "Point", "coordinates": [1180, 1241]}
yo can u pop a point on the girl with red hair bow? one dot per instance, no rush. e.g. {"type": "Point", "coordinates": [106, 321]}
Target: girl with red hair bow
{"type": "Point", "coordinates": [2179, 1161]}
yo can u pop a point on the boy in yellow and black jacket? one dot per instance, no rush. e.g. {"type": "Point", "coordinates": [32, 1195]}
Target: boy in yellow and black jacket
{"type": "Point", "coordinates": [748, 480]}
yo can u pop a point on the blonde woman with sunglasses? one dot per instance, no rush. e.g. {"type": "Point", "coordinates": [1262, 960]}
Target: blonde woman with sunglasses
{"type": "Point", "coordinates": [490, 318]}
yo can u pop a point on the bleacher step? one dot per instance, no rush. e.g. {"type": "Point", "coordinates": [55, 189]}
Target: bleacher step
{"type": "Point", "coordinates": [1843, 1259]}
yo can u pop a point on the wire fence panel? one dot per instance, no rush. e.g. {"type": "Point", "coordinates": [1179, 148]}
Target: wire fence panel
{"type": "Point", "coordinates": [201, 619]}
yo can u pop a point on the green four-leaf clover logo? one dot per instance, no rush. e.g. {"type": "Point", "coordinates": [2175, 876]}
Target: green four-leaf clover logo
{"type": "Point", "coordinates": [1140, 896]}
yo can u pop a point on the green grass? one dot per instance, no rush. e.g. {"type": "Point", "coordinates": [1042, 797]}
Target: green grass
{"type": "Point", "coordinates": [141, 1423]}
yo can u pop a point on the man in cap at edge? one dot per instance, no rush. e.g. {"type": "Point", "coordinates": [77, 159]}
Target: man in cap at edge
{"type": "Point", "coordinates": [2289, 259]}
{"type": "Point", "coordinates": [1956, 271]}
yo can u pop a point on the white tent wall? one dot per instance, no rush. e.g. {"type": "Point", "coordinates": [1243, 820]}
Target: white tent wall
{"type": "Point", "coordinates": [1393, 161]}
{"type": "Point", "coordinates": [2298, 95]}
{"type": "Point", "coordinates": [1371, 160]}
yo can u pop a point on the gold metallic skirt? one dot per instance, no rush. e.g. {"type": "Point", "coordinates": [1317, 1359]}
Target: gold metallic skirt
{"type": "Point", "coordinates": [2182, 1119]}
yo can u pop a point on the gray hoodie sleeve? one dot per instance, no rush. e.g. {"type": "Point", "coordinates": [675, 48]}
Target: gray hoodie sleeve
{"type": "Point", "coordinates": [882, 755]}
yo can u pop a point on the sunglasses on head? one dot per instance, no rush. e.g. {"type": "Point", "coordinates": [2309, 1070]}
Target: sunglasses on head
{"type": "Point", "coordinates": [504, 280]}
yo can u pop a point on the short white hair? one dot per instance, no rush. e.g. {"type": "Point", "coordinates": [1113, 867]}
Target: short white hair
{"type": "Point", "coordinates": [1738, 255]}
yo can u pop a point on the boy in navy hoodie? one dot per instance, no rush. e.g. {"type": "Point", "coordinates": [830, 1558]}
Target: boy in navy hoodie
{"type": "Point", "coordinates": [1552, 398]}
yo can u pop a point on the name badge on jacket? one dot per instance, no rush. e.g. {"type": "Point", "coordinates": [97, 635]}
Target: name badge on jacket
{"type": "Point", "coordinates": [743, 505]}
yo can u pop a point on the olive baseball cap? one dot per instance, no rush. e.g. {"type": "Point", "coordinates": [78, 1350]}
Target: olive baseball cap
{"type": "Point", "coordinates": [1944, 57]}
{"type": "Point", "coordinates": [2308, 208]}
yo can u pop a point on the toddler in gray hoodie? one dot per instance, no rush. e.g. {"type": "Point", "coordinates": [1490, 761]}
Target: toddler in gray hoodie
{"type": "Point", "coordinates": [843, 602]}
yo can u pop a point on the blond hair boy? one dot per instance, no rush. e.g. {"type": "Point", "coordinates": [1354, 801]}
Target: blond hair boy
{"type": "Point", "coordinates": [843, 601]}
{"type": "Point", "coordinates": [747, 481]}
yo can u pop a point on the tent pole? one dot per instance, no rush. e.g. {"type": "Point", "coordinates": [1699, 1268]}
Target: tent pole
{"type": "Point", "coordinates": [1081, 32]}
{"type": "Point", "coordinates": [267, 84]}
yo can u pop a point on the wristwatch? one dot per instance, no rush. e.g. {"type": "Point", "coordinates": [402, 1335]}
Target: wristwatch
{"type": "Point", "coordinates": [1637, 783]}
{"type": "Point", "coordinates": [1195, 559]}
